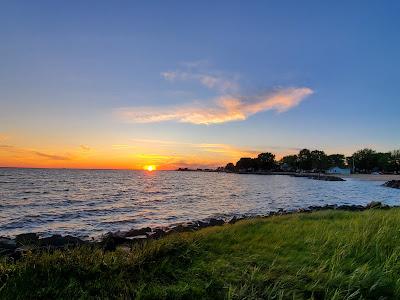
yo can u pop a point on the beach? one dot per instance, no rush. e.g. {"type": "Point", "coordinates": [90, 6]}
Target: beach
{"type": "Point", "coordinates": [372, 177]}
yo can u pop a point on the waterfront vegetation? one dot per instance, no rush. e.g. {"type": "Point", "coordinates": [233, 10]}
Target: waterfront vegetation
{"type": "Point", "coordinates": [327, 254]}
{"type": "Point", "coordinates": [362, 161]}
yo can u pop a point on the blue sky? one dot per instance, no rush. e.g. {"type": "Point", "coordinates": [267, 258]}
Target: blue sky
{"type": "Point", "coordinates": [68, 69]}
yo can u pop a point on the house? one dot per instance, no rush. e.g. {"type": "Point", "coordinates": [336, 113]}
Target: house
{"type": "Point", "coordinates": [337, 170]}
{"type": "Point", "coordinates": [286, 167]}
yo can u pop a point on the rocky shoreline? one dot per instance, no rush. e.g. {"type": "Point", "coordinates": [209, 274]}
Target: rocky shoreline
{"type": "Point", "coordinates": [392, 184]}
{"type": "Point", "coordinates": [31, 242]}
{"type": "Point", "coordinates": [314, 176]}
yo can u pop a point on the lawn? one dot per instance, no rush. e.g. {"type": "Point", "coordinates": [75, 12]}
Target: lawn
{"type": "Point", "coordinates": [320, 255]}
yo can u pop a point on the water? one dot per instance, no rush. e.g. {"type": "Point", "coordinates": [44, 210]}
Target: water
{"type": "Point", "coordinates": [89, 203]}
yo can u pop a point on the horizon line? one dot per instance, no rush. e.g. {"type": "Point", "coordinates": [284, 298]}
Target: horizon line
{"type": "Point", "coordinates": [98, 169]}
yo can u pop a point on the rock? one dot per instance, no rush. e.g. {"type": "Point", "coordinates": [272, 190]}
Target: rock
{"type": "Point", "coordinates": [327, 178]}
{"type": "Point", "coordinates": [202, 224]}
{"type": "Point", "coordinates": [138, 238]}
{"type": "Point", "coordinates": [216, 222]}
{"type": "Point", "coordinates": [7, 243]}
{"type": "Point", "coordinates": [188, 226]}
{"type": "Point", "coordinates": [192, 225]}
{"type": "Point", "coordinates": [58, 241]}
{"type": "Point", "coordinates": [319, 177]}
{"type": "Point", "coordinates": [180, 228]}
{"type": "Point", "coordinates": [304, 210]}
{"type": "Point", "coordinates": [376, 205]}
{"type": "Point", "coordinates": [392, 184]}
{"type": "Point", "coordinates": [25, 239]}
{"type": "Point", "coordinates": [315, 208]}
{"type": "Point", "coordinates": [7, 246]}
{"type": "Point", "coordinates": [236, 219]}
{"type": "Point", "coordinates": [157, 233]}
{"type": "Point", "coordinates": [351, 207]}
{"type": "Point", "coordinates": [135, 232]}
{"type": "Point", "coordinates": [110, 241]}
{"type": "Point", "coordinates": [183, 228]}
{"type": "Point", "coordinates": [233, 220]}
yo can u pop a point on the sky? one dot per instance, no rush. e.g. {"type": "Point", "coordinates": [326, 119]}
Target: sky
{"type": "Point", "coordinates": [126, 84]}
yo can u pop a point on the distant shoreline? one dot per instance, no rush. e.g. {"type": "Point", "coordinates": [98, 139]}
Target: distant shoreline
{"type": "Point", "coordinates": [364, 177]}
{"type": "Point", "coordinates": [315, 176]}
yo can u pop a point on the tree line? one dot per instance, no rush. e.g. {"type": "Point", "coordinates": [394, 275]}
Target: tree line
{"type": "Point", "coordinates": [362, 161]}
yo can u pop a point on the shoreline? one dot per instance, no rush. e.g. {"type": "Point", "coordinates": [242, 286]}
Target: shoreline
{"type": "Point", "coordinates": [326, 254]}
{"type": "Point", "coordinates": [25, 243]}
{"type": "Point", "coordinates": [132, 235]}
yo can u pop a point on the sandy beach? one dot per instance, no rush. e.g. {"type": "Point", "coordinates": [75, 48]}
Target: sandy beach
{"type": "Point", "coordinates": [371, 177]}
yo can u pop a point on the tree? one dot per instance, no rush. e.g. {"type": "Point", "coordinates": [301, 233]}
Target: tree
{"type": "Point", "coordinates": [230, 167]}
{"type": "Point", "coordinates": [365, 160]}
{"type": "Point", "coordinates": [246, 163]}
{"type": "Point", "coordinates": [290, 162]}
{"type": "Point", "coordinates": [336, 160]}
{"type": "Point", "coordinates": [319, 160]}
{"type": "Point", "coordinates": [266, 161]}
{"type": "Point", "coordinates": [395, 160]}
{"type": "Point", "coordinates": [383, 162]}
{"type": "Point", "coordinates": [305, 160]}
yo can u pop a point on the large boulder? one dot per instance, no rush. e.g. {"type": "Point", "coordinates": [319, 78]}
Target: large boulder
{"type": "Point", "coordinates": [58, 241]}
{"type": "Point", "coordinates": [202, 224]}
{"type": "Point", "coordinates": [376, 205]}
{"type": "Point", "coordinates": [110, 241]}
{"type": "Point", "coordinates": [7, 246]}
{"type": "Point", "coordinates": [27, 239]}
{"type": "Point", "coordinates": [216, 222]}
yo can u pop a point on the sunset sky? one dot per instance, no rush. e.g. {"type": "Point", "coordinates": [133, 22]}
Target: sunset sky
{"type": "Point", "coordinates": [126, 84]}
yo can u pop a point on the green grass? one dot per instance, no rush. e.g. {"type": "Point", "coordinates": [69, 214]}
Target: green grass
{"type": "Point", "coordinates": [323, 255]}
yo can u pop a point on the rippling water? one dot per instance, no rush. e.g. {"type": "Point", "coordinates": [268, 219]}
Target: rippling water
{"type": "Point", "coordinates": [89, 203]}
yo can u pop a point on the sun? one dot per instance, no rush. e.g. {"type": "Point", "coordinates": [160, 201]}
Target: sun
{"type": "Point", "coordinates": [150, 168]}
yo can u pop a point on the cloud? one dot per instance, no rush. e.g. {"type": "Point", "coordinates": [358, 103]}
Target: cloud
{"type": "Point", "coordinates": [85, 147]}
{"type": "Point", "coordinates": [51, 156]}
{"type": "Point", "coordinates": [228, 150]}
{"type": "Point", "coordinates": [18, 150]}
{"type": "Point", "coordinates": [215, 80]}
{"type": "Point", "coordinates": [224, 109]}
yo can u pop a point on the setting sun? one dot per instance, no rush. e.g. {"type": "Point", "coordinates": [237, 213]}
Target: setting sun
{"type": "Point", "coordinates": [150, 168]}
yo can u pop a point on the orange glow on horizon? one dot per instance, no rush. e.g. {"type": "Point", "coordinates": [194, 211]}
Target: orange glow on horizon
{"type": "Point", "coordinates": [139, 154]}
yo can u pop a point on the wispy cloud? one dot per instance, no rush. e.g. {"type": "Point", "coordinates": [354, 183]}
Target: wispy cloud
{"type": "Point", "coordinates": [228, 150]}
{"type": "Point", "coordinates": [51, 156]}
{"type": "Point", "coordinates": [85, 148]}
{"type": "Point", "coordinates": [213, 80]}
{"type": "Point", "coordinates": [224, 109]}
{"type": "Point", "coordinates": [18, 150]}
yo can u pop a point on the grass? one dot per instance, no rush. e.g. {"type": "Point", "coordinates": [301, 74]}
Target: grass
{"type": "Point", "coordinates": [322, 255]}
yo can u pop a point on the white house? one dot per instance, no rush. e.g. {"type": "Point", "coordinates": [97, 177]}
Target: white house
{"type": "Point", "coordinates": [337, 170]}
